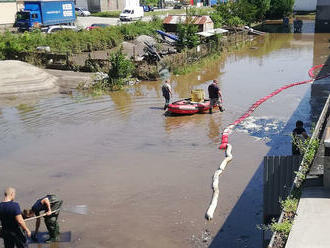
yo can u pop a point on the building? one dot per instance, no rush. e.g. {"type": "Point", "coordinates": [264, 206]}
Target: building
{"type": "Point", "coordinates": [8, 11]}
{"type": "Point", "coordinates": [304, 5]}
{"type": "Point", "coordinates": [204, 23]}
{"type": "Point", "coordinates": [322, 19]}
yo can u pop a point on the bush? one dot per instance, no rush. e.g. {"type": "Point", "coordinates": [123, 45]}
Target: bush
{"type": "Point", "coordinates": [121, 69]}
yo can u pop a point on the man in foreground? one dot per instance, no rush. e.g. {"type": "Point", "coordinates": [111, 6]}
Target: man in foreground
{"type": "Point", "coordinates": [12, 221]}
{"type": "Point", "coordinates": [167, 92]}
{"type": "Point", "coordinates": [214, 95]}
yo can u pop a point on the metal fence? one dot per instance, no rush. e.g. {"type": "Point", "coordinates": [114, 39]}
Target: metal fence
{"type": "Point", "coordinates": [279, 173]}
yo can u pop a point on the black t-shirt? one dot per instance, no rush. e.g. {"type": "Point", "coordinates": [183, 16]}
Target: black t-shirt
{"type": "Point", "coordinates": [298, 131]}
{"type": "Point", "coordinates": [213, 91]}
{"type": "Point", "coordinates": [38, 206]}
{"type": "Point", "coordinates": [8, 212]}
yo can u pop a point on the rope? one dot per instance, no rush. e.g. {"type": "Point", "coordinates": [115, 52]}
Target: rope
{"type": "Point", "coordinates": [228, 130]}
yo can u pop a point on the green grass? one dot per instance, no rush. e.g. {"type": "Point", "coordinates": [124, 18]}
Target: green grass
{"type": "Point", "coordinates": [283, 227]}
{"type": "Point", "coordinates": [290, 204]}
{"type": "Point", "coordinates": [182, 70]}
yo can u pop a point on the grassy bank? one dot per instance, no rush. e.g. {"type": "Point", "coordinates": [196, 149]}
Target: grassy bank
{"type": "Point", "coordinates": [197, 66]}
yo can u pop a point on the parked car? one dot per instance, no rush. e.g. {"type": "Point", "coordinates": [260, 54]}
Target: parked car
{"type": "Point", "coordinates": [97, 25]}
{"type": "Point", "coordinates": [56, 28]}
{"type": "Point", "coordinates": [147, 8]}
{"type": "Point", "coordinates": [82, 11]}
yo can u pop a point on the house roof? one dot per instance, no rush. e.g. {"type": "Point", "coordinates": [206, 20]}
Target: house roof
{"type": "Point", "coordinates": [176, 19]}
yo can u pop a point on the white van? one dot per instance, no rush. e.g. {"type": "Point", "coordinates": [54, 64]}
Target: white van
{"type": "Point", "coordinates": [131, 14]}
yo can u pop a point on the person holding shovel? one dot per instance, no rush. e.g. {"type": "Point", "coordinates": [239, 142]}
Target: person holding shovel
{"type": "Point", "coordinates": [48, 204]}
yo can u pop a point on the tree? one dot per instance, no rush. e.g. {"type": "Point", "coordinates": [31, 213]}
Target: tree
{"type": "Point", "coordinates": [280, 8]}
{"type": "Point", "coordinates": [187, 35]}
{"type": "Point", "coordinates": [262, 7]}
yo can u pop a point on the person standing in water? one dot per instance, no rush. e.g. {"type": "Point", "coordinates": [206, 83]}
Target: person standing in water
{"type": "Point", "coordinates": [299, 135]}
{"type": "Point", "coordinates": [167, 93]}
{"type": "Point", "coordinates": [215, 95]}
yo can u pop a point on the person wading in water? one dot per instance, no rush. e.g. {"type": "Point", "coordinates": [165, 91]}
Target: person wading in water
{"type": "Point", "coordinates": [167, 93]}
{"type": "Point", "coordinates": [214, 95]}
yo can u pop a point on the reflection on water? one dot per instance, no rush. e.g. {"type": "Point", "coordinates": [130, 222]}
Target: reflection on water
{"type": "Point", "coordinates": [122, 157]}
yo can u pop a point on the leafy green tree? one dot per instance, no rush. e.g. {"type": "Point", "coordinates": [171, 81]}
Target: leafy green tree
{"type": "Point", "coordinates": [280, 8]}
{"type": "Point", "coordinates": [235, 13]}
{"type": "Point", "coordinates": [187, 35]}
{"type": "Point", "coordinates": [262, 7]}
{"type": "Point", "coordinates": [246, 11]}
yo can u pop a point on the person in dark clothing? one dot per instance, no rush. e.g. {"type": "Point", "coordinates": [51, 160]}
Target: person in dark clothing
{"type": "Point", "coordinates": [48, 204]}
{"type": "Point", "coordinates": [298, 134]}
{"type": "Point", "coordinates": [167, 92]}
{"type": "Point", "coordinates": [214, 95]}
{"type": "Point", "coordinates": [12, 222]}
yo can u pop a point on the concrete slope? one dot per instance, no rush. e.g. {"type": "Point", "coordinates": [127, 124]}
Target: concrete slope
{"type": "Point", "coordinates": [18, 78]}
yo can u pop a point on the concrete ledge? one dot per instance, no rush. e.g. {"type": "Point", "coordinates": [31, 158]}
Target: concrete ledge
{"type": "Point", "coordinates": [312, 223]}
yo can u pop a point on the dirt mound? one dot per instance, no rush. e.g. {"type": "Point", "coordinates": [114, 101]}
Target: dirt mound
{"type": "Point", "coordinates": [136, 47]}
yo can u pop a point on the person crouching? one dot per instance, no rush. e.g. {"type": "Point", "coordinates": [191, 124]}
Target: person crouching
{"type": "Point", "coordinates": [48, 204]}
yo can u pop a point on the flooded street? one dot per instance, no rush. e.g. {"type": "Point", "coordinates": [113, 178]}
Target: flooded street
{"type": "Point", "coordinates": [146, 177]}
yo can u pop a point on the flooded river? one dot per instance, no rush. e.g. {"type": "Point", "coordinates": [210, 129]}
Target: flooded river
{"type": "Point", "coordinates": [146, 178]}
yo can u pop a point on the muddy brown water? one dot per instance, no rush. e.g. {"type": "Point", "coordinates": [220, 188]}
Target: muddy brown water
{"type": "Point", "coordinates": [145, 177]}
